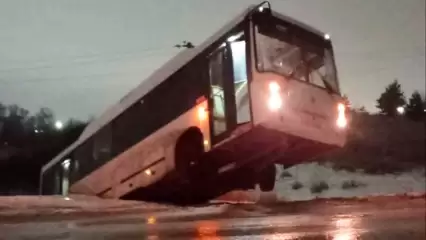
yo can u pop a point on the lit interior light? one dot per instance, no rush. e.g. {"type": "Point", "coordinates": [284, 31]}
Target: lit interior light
{"type": "Point", "coordinates": [400, 110]}
{"type": "Point", "coordinates": [202, 113]}
{"type": "Point", "coordinates": [206, 142]}
{"type": "Point", "coordinates": [341, 122]}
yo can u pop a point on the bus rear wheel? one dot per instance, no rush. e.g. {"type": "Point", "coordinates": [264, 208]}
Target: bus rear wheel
{"type": "Point", "coordinates": [266, 178]}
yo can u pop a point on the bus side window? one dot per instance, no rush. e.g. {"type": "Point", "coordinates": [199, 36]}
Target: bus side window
{"type": "Point", "coordinates": [57, 180]}
{"type": "Point", "coordinates": [74, 171]}
{"type": "Point", "coordinates": [102, 145]}
{"type": "Point", "coordinates": [49, 183]}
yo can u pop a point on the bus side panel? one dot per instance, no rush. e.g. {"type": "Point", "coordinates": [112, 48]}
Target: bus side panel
{"type": "Point", "coordinates": [116, 177]}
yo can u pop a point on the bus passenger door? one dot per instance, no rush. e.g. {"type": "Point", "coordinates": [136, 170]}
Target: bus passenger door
{"type": "Point", "coordinates": [223, 117]}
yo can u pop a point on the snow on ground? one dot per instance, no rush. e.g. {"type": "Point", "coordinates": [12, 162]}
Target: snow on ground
{"type": "Point", "coordinates": [71, 202]}
{"type": "Point", "coordinates": [339, 183]}
{"type": "Point", "coordinates": [329, 183]}
{"type": "Point", "coordinates": [322, 181]}
{"type": "Point", "coordinates": [27, 207]}
{"type": "Point", "coordinates": [32, 205]}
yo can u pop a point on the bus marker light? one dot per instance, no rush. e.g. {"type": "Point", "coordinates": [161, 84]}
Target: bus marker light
{"type": "Point", "coordinates": [202, 113]}
{"type": "Point", "coordinates": [148, 172]}
{"type": "Point", "coordinates": [151, 220]}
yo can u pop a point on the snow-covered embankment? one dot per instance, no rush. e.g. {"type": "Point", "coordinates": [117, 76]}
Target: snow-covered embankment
{"type": "Point", "coordinates": [309, 181]}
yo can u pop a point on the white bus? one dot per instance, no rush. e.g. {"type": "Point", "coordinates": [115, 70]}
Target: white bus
{"type": "Point", "coordinates": [261, 91]}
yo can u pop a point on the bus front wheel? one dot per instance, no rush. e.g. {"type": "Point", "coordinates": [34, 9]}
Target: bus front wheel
{"type": "Point", "coordinates": [189, 148]}
{"type": "Point", "coordinates": [266, 178]}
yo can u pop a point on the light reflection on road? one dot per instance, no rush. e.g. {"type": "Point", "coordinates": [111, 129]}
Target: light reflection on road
{"type": "Point", "coordinates": [153, 237]}
{"type": "Point", "coordinates": [284, 236]}
{"type": "Point", "coordinates": [339, 227]}
{"type": "Point", "coordinates": [346, 228]}
{"type": "Point", "coordinates": [319, 221]}
{"type": "Point", "coordinates": [151, 220]}
{"type": "Point", "coordinates": [207, 230]}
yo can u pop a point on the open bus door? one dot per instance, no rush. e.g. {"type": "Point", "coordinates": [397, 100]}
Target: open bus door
{"type": "Point", "coordinates": [229, 103]}
{"type": "Point", "coordinates": [222, 110]}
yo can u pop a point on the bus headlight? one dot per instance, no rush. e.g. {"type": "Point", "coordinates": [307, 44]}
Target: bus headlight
{"type": "Point", "coordinates": [341, 122]}
{"type": "Point", "coordinates": [274, 99]}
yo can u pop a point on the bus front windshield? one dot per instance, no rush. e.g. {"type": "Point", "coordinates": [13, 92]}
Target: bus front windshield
{"type": "Point", "coordinates": [287, 53]}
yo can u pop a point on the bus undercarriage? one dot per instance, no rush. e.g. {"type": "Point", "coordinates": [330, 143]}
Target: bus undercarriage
{"type": "Point", "coordinates": [240, 163]}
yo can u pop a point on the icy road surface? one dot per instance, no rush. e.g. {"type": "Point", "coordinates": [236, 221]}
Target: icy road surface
{"type": "Point", "coordinates": [337, 219]}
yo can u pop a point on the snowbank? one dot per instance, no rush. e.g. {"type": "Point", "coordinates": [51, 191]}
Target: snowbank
{"type": "Point", "coordinates": [313, 180]}
{"type": "Point", "coordinates": [322, 181]}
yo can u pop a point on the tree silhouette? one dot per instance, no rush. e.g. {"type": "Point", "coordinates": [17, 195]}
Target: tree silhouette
{"type": "Point", "coordinates": [44, 120]}
{"type": "Point", "coordinates": [392, 98]}
{"type": "Point", "coordinates": [2, 110]}
{"type": "Point", "coordinates": [414, 109]}
{"type": "Point", "coordinates": [360, 109]}
{"type": "Point", "coordinates": [23, 150]}
{"type": "Point", "coordinates": [2, 118]}
{"type": "Point", "coordinates": [424, 103]}
{"type": "Point", "coordinates": [13, 125]}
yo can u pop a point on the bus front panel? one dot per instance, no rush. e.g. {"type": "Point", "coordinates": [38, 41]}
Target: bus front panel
{"type": "Point", "coordinates": [295, 88]}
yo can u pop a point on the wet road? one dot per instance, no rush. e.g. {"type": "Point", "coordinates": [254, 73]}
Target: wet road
{"type": "Point", "coordinates": [375, 218]}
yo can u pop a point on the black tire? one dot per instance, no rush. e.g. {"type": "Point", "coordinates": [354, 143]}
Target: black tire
{"type": "Point", "coordinates": [247, 178]}
{"type": "Point", "coordinates": [189, 149]}
{"type": "Point", "coordinates": [267, 178]}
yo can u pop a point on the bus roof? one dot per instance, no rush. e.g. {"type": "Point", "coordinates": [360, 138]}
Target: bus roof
{"type": "Point", "coordinates": [159, 76]}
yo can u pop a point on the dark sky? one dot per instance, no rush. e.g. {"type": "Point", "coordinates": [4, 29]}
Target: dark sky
{"type": "Point", "coordinates": [79, 56]}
